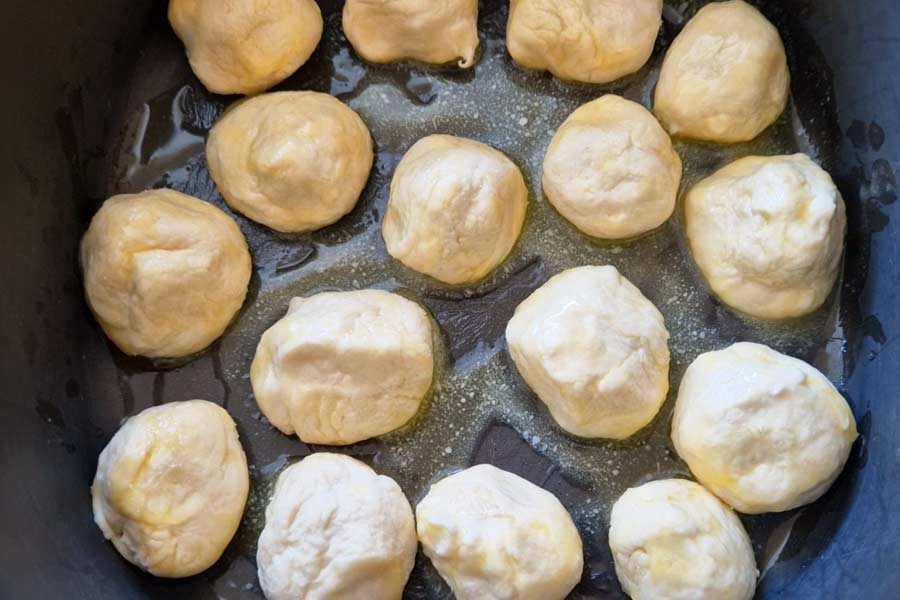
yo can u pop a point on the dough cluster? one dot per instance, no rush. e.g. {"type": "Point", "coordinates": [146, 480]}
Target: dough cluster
{"type": "Point", "coordinates": [456, 209]}
{"type": "Point", "coordinates": [725, 77]}
{"type": "Point", "coordinates": [341, 367]}
{"type": "Point", "coordinates": [611, 169]}
{"type": "Point", "coordinates": [594, 350]}
{"type": "Point", "coordinates": [583, 40]}
{"type": "Point", "coordinates": [672, 539]}
{"type": "Point", "coordinates": [336, 530]}
{"type": "Point", "coordinates": [767, 233]}
{"type": "Point", "coordinates": [246, 46]}
{"type": "Point", "coordinates": [763, 431]}
{"type": "Point", "coordinates": [171, 486]}
{"type": "Point", "coordinates": [164, 273]}
{"type": "Point", "coordinates": [294, 161]}
{"type": "Point", "coordinates": [494, 536]}
{"type": "Point", "coordinates": [384, 31]}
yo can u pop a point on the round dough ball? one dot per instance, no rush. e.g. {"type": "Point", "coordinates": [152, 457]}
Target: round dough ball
{"type": "Point", "coordinates": [493, 536]}
{"type": "Point", "coordinates": [384, 31]}
{"type": "Point", "coordinates": [293, 161]}
{"type": "Point", "coordinates": [611, 169]}
{"type": "Point", "coordinates": [336, 530]}
{"type": "Point", "coordinates": [768, 233]}
{"type": "Point", "coordinates": [672, 539]}
{"type": "Point", "coordinates": [725, 78]}
{"type": "Point", "coordinates": [763, 431]}
{"type": "Point", "coordinates": [594, 350]}
{"type": "Point", "coordinates": [341, 367]}
{"type": "Point", "coordinates": [164, 273]}
{"type": "Point", "coordinates": [583, 40]}
{"type": "Point", "coordinates": [171, 486]}
{"type": "Point", "coordinates": [456, 209]}
{"type": "Point", "coordinates": [246, 46]}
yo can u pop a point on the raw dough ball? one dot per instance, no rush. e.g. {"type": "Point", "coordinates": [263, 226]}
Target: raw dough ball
{"type": "Point", "coordinates": [171, 486]}
{"type": "Point", "coordinates": [494, 536]}
{"type": "Point", "coordinates": [763, 431]}
{"type": "Point", "coordinates": [611, 169]}
{"type": "Point", "coordinates": [246, 46]}
{"type": "Point", "coordinates": [336, 530]}
{"type": "Point", "coordinates": [384, 31]}
{"type": "Point", "coordinates": [456, 210]}
{"type": "Point", "coordinates": [294, 161]}
{"type": "Point", "coordinates": [595, 350]}
{"type": "Point", "coordinates": [341, 367]}
{"type": "Point", "coordinates": [164, 273]}
{"type": "Point", "coordinates": [767, 233]}
{"type": "Point", "coordinates": [583, 40]}
{"type": "Point", "coordinates": [725, 78]}
{"type": "Point", "coordinates": [672, 539]}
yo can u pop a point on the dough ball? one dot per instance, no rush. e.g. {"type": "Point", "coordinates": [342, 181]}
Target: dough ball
{"type": "Point", "coordinates": [583, 40]}
{"type": "Point", "coordinates": [456, 209]}
{"type": "Point", "coordinates": [672, 539]}
{"type": "Point", "coordinates": [725, 78]}
{"type": "Point", "coordinates": [336, 530]}
{"type": "Point", "coordinates": [611, 169]}
{"type": "Point", "coordinates": [171, 486]}
{"type": "Point", "coordinates": [384, 31]}
{"type": "Point", "coordinates": [763, 431]}
{"type": "Point", "coordinates": [768, 233]}
{"type": "Point", "coordinates": [494, 536]}
{"type": "Point", "coordinates": [246, 46]}
{"type": "Point", "coordinates": [595, 350]}
{"type": "Point", "coordinates": [293, 161]}
{"type": "Point", "coordinates": [341, 367]}
{"type": "Point", "coordinates": [164, 273]}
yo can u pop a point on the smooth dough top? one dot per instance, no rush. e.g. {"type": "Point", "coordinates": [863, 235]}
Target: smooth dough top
{"type": "Point", "coordinates": [246, 46]}
{"type": "Point", "coordinates": [164, 273]}
{"type": "Point", "coordinates": [725, 78]}
{"type": "Point", "coordinates": [385, 31]}
{"type": "Point", "coordinates": [611, 169]}
{"type": "Point", "coordinates": [672, 539]}
{"type": "Point", "coordinates": [341, 367]}
{"type": "Point", "coordinates": [594, 350]}
{"type": "Point", "coordinates": [457, 207]}
{"type": "Point", "coordinates": [495, 536]}
{"type": "Point", "coordinates": [763, 431]}
{"type": "Point", "coordinates": [336, 530]}
{"type": "Point", "coordinates": [171, 486]}
{"type": "Point", "coordinates": [768, 233]}
{"type": "Point", "coordinates": [294, 161]}
{"type": "Point", "coordinates": [593, 41]}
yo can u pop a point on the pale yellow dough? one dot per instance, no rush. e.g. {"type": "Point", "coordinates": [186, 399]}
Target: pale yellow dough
{"type": "Point", "coordinates": [384, 31]}
{"type": "Point", "coordinates": [246, 46]}
{"type": "Point", "coordinates": [164, 273]}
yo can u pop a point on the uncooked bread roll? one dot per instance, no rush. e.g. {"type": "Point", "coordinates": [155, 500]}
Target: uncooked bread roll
{"type": "Point", "coordinates": [595, 350]}
{"type": "Point", "coordinates": [336, 530]}
{"type": "Point", "coordinates": [171, 486]}
{"type": "Point", "coordinates": [246, 46]}
{"type": "Point", "coordinates": [763, 431]}
{"type": "Point", "coordinates": [385, 31]}
{"type": "Point", "coordinates": [611, 169]}
{"type": "Point", "coordinates": [725, 78]}
{"type": "Point", "coordinates": [294, 161]}
{"type": "Point", "coordinates": [341, 367]}
{"type": "Point", "coordinates": [672, 539]}
{"type": "Point", "coordinates": [583, 40]}
{"type": "Point", "coordinates": [456, 209]}
{"type": "Point", "coordinates": [164, 273]}
{"type": "Point", "coordinates": [494, 536]}
{"type": "Point", "coordinates": [768, 233]}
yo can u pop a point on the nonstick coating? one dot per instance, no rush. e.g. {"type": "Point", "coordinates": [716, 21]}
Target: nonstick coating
{"type": "Point", "coordinates": [100, 101]}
